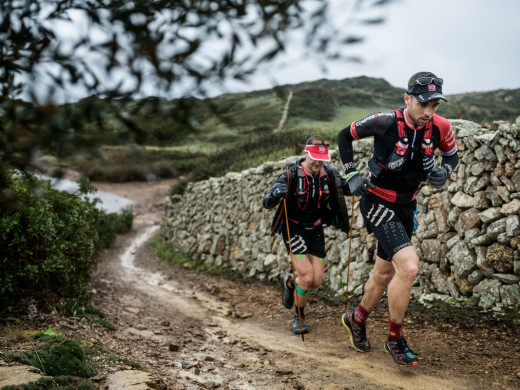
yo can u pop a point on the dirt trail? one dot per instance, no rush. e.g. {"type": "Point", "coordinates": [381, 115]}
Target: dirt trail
{"type": "Point", "coordinates": [189, 330]}
{"type": "Point", "coordinates": [195, 331]}
{"type": "Point", "coordinates": [327, 355]}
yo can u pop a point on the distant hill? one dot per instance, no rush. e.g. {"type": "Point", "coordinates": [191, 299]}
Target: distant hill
{"type": "Point", "coordinates": [234, 117]}
{"type": "Point", "coordinates": [320, 100]}
{"type": "Point", "coordinates": [483, 107]}
{"type": "Point", "coordinates": [198, 138]}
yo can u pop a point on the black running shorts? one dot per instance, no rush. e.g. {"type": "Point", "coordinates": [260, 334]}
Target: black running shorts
{"type": "Point", "coordinates": [305, 240]}
{"type": "Point", "coordinates": [391, 223]}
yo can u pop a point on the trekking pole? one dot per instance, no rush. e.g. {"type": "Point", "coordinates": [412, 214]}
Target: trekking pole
{"type": "Point", "coordinates": [349, 246]}
{"type": "Point", "coordinates": [292, 267]}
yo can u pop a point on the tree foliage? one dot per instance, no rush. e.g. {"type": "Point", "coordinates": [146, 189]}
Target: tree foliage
{"type": "Point", "coordinates": [113, 47]}
{"type": "Point", "coordinates": [52, 49]}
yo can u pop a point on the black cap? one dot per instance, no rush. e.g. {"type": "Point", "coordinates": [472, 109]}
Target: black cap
{"type": "Point", "coordinates": [425, 93]}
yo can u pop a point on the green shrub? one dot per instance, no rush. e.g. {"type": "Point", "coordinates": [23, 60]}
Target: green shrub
{"type": "Point", "coordinates": [128, 163]}
{"type": "Point", "coordinates": [313, 103]}
{"type": "Point", "coordinates": [167, 253]}
{"type": "Point", "coordinates": [49, 242]}
{"type": "Point", "coordinates": [63, 382]}
{"type": "Point", "coordinates": [112, 224]}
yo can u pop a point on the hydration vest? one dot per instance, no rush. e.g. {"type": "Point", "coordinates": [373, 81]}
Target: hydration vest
{"type": "Point", "coordinates": [401, 150]}
{"type": "Point", "coordinates": [331, 185]}
{"type": "Point", "coordinates": [304, 188]}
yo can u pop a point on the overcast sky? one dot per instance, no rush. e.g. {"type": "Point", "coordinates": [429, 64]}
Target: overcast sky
{"type": "Point", "coordinates": [474, 45]}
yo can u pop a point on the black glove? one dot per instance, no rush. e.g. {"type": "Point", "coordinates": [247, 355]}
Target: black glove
{"type": "Point", "coordinates": [359, 184]}
{"type": "Point", "coordinates": [438, 177]}
{"type": "Point", "coordinates": [279, 190]}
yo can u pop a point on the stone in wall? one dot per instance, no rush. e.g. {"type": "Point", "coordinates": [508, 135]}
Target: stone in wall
{"type": "Point", "coordinates": [500, 257]}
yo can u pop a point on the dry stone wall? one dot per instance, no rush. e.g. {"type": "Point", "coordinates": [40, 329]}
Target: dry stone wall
{"type": "Point", "coordinates": [468, 237]}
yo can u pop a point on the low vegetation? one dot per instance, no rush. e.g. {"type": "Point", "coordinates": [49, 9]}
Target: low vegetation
{"type": "Point", "coordinates": [166, 252]}
{"type": "Point", "coordinates": [49, 242]}
{"type": "Point", "coordinates": [72, 308]}
{"type": "Point", "coordinates": [66, 363]}
{"type": "Point", "coordinates": [56, 355]}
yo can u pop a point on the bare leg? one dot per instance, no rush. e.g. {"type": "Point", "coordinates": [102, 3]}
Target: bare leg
{"type": "Point", "coordinates": [310, 275]}
{"type": "Point", "coordinates": [406, 265]}
{"type": "Point", "coordinates": [376, 283]}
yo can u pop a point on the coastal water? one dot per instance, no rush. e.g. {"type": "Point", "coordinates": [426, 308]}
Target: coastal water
{"type": "Point", "coordinates": [108, 202]}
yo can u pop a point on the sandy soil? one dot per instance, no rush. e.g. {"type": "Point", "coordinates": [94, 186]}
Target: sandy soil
{"type": "Point", "coordinates": [194, 331]}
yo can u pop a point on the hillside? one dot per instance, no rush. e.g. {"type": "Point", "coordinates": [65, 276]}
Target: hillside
{"type": "Point", "coordinates": [158, 138]}
{"type": "Point", "coordinates": [233, 117]}
{"type": "Point", "coordinates": [483, 107]}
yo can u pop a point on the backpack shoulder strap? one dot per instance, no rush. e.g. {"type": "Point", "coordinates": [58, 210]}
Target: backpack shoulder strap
{"type": "Point", "coordinates": [324, 172]}
{"type": "Point", "coordinates": [291, 173]}
{"type": "Point", "coordinates": [399, 118]}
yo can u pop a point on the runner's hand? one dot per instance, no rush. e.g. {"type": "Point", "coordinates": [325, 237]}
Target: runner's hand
{"type": "Point", "coordinates": [280, 190]}
{"type": "Point", "coordinates": [438, 177]}
{"type": "Point", "coordinates": [359, 184]}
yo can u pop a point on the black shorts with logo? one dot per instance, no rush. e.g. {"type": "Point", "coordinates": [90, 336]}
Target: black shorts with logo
{"type": "Point", "coordinates": [305, 241]}
{"type": "Point", "coordinates": [391, 223]}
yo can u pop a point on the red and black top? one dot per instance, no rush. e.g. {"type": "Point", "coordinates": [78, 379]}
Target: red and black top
{"type": "Point", "coordinates": [397, 186]}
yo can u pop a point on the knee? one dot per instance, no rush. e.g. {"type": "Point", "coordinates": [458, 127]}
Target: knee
{"type": "Point", "coordinates": [413, 266]}
{"type": "Point", "coordinates": [316, 282]}
{"type": "Point", "coordinates": [305, 281]}
{"type": "Point", "coordinates": [410, 269]}
{"type": "Point", "coordinates": [383, 277]}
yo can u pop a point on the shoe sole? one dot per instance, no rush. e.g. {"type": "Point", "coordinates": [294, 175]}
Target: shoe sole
{"type": "Point", "coordinates": [400, 365]}
{"type": "Point", "coordinates": [283, 283]}
{"type": "Point", "coordinates": [351, 336]}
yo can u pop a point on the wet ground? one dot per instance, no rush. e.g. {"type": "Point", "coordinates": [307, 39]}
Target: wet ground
{"type": "Point", "coordinates": [189, 330]}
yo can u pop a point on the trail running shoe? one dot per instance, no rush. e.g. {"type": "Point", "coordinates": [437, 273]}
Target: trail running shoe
{"type": "Point", "coordinates": [287, 292]}
{"type": "Point", "coordinates": [296, 326]}
{"type": "Point", "coordinates": [402, 355]}
{"type": "Point", "coordinates": [357, 333]}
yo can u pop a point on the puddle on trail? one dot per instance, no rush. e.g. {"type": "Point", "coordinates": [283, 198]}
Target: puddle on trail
{"type": "Point", "coordinates": [155, 283]}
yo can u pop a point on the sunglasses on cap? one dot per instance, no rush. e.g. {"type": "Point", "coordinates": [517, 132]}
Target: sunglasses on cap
{"type": "Point", "coordinates": [428, 80]}
{"type": "Point", "coordinates": [319, 143]}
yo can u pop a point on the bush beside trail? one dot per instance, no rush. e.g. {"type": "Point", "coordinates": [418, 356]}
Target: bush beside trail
{"type": "Point", "coordinates": [49, 242]}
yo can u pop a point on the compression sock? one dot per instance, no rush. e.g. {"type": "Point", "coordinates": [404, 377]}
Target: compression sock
{"type": "Point", "coordinates": [394, 330]}
{"type": "Point", "coordinates": [301, 311]}
{"type": "Point", "coordinates": [360, 315]}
